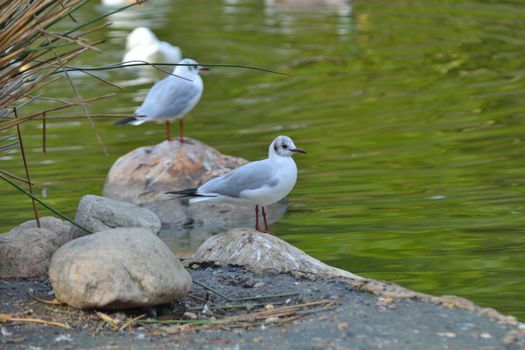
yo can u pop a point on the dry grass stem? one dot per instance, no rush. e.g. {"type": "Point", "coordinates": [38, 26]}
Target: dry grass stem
{"type": "Point", "coordinates": [26, 167]}
{"type": "Point", "coordinates": [10, 318]}
{"type": "Point", "coordinates": [131, 321]}
{"type": "Point", "coordinates": [110, 321]}
{"type": "Point", "coordinates": [271, 316]}
{"type": "Point", "coordinates": [49, 302]}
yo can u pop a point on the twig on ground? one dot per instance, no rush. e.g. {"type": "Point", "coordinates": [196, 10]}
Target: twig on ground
{"type": "Point", "coordinates": [49, 302]}
{"type": "Point", "coordinates": [268, 296]}
{"type": "Point", "coordinates": [213, 290]}
{"type": "Point", "coordinates": [277, 315]}
{"type": "Point", "coordinates": [131, 321]}
{"type": "Point", "coordinates": [9, 318]}
{"type": "Point", "coordinates": [110, 321]}
{"type": "Point", "coordinates": [230, 307]}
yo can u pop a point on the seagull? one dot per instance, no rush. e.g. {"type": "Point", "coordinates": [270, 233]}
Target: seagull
{"type": "Point", "coordinates": [114, 3]}
{"type": "Point", "coordinates": [171, 98]}
{"type": "Point", "coordinates": [258, 183]}
{"type": "Point", "coordinates": [143, 45]}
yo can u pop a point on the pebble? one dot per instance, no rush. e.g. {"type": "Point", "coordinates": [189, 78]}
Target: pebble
{"type": "Point", "coordinates": [189, 316]}
{"type": "Point", "coordinates": [447, 334]}
{"type": "Point", "coordinates": [5, 332]}
{"type": "Point", "coordinates": [63, 338]}
{"type": "Point", "coordinates": [271, 319]}
{"type": "Point", "coordinates": [485, 335]}
{"type": "Point", "coordinates": [206, 310]}
{"type": "Point", "coordinates": [511, 337]}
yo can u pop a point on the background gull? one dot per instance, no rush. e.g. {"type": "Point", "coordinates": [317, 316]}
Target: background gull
{"type": "Point", "coordinates": [258, 183]}
{"type": "Point", "coordinates": [143, 45]}
{"type": "Point", "coordinates": [171, 98]}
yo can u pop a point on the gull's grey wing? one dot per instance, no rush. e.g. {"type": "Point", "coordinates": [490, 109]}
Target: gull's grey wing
{"type": "Point", "coordinates": [170, 97]}
{"type": "Point", "coordinates": [250, 176]}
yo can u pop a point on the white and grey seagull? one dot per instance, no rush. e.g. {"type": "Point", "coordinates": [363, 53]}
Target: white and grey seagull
{"type": "Point", "coordinates": [171, 98]}
{"type": "Point", "coordinates": [258, 183]}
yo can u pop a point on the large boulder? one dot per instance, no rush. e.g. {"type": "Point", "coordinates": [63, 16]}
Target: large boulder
{"type": "Point", "coordinates": [261, 251]}
{"type": "Point", "coordinates": [26, 250]}
{"type": "Point", "coordinates": [144, 175]}
{"type": "Point", "coordinates": [100, 214]}
{"type": "Point", "coordinates": [117, 269]}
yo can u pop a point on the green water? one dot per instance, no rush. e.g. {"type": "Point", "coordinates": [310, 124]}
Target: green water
{"type": "Point", "coordinates": [412, 113]}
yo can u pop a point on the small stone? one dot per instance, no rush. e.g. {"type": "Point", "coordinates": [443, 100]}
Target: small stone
{"type": "Point", "coordinates": [485, 335]}
{"type": "Point", "coordinates": [256, 339]}
{"type": "Point", "coordinates": [117, 269]}
{"type": "Point", "coordinates": [206, 310]}
{"type": "Point", "coordinates": [512, 337]}
{"type": "Point", "coordinates": [269, 307]}
{"type": "Point", "coordinates": [342, 326]}
{"type": "Point", "coordinates": [5, 332]}
{"type": "Point", "coordinates": [189, 316]}
{"type": "Point", "coordinates": [271, 319]}
{"type": "Point", "coordinates": [447, 334]}
{"type": "Point", "coordinates": [259, 284]}
{"type": "Point", "coordinates": [63, 338]}
{"type": "Point", "coordinates": [386, 302]}
{"type": "Point", "coordinates": [100, 214]}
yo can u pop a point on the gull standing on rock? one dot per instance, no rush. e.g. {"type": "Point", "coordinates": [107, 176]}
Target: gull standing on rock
{"type": "Point", "coordinates": [171, 98]}
{"type": "Point", "coordinates": [142, 45]}
{"type": "Point", "coordinates": [258, 183]}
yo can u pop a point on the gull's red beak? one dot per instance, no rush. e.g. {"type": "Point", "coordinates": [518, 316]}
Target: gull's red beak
{"type": "Point", "coordinates": [204, 68]}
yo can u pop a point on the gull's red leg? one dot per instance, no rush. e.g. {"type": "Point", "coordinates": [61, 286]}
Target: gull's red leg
{"type": "Point", "coordinates": [168, 130]}
{"type": "Point", "coordinates": [181, 128]}
{"type": "Point", "coordinates": [265, 221]}
{"type": "Point", "coordinates": [257, 218]}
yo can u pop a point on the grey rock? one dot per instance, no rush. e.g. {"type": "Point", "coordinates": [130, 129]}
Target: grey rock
{"type": "Point", "coordinates": [26, 250]}
{"type": "Point", "coordinates": [117, 269]}
{"type": "Point", "coordinates": [144, 175]}
{"type": "Point", "coordinates": [261, 251]}
{"type": "Point", "coordinates": [100, 214]}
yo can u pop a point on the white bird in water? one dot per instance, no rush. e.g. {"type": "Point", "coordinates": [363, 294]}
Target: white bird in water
{"type": "Point", "coordinates": [258, 183]}
{"type": "Point", "coordinates": [114, 3]}
{"type": "Point", "coordinates": [171, 98]}
{"type": "Point", "coordinates": [143, 45]}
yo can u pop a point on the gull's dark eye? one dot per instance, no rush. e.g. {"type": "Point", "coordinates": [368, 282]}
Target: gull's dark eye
{"type": "Point", "coordinates": [285, 146]}
{"type": "Point", "coordinates": [195, 67]}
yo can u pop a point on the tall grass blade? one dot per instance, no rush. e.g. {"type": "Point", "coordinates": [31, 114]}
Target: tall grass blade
{"type": "Point", "coordinates": [45, 205]}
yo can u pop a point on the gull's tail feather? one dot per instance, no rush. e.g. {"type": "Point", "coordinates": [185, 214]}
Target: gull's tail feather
{"type": "Point", "coordinates": [135, 120]}
{"type": "Point", "coordinates": [191, 192]}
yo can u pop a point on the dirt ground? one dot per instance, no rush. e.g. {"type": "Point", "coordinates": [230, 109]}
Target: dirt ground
{"type": "Point", "coordinates": [231, 308]}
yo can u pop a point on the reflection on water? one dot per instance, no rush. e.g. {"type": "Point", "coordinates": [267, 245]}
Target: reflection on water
{"type": "Point", "coordinates": [412, 114]}
{"type": "Point", "coordinates": [281, 14]}
{"type": "Point", "coordinates": [185, 240]}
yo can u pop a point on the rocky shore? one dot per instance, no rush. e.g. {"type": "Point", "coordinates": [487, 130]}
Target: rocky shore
{"type": "Point", "coordinates": [109, 281]}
